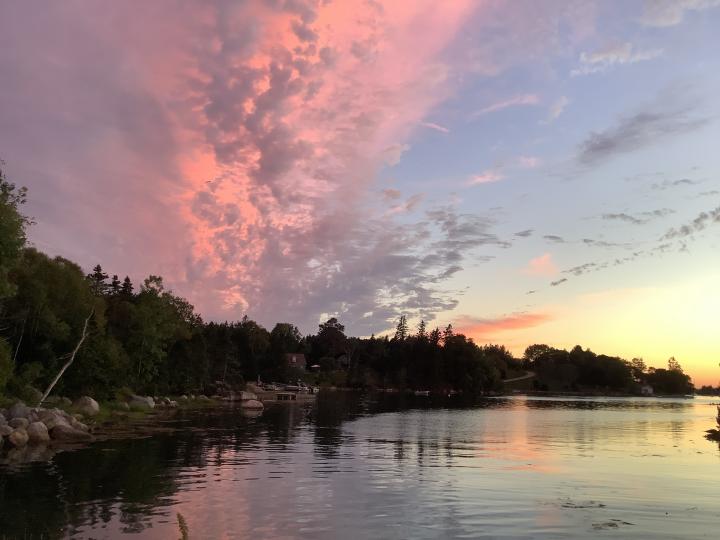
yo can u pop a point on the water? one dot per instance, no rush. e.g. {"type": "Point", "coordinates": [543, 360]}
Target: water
{"type": "Point", "coordinates": [385, 467]}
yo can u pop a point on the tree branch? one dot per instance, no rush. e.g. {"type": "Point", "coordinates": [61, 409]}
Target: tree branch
{"type": "Point", "coordinates": [70, 361]}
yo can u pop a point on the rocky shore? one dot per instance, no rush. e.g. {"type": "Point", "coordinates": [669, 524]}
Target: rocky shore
{"type": "Point", "coordinates": [35, 433]}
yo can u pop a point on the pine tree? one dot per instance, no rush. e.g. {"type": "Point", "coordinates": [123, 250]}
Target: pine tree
{"type": "Point", "coordinates": [447, 333]}
{"type": "Point", "coordinates": [97, 281]}
{"type": "Point", "coordinates": [115, 285]}
{"type": "Point", "coordinates": [126, 290]}
{"type": "Point", "coordinates": [435, 336]}
{"type": "Point", "coordinates": [401, 330]}
{"type": "Point", "coordinates": [422, 332]}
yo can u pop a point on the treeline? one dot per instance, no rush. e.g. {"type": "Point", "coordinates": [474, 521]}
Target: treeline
{"type": "Point", "coordinates": [144, 337]}
{"type": "Point", "coordinates": [581, 370]}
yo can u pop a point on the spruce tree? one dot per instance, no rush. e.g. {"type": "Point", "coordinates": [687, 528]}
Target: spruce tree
{"type": "Point", "coordinates": [115, 285]}
{"type": "Point", "coordinates": [401, 330]}
{"type": "Point", "coordinates": [97, 281]}
{"type": "Point", "coordinates": [126, 290]}
{"type": "Point", "coordinates": [422, 332]}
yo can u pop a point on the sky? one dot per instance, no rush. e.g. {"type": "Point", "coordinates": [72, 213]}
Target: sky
{"type": "Point", "coordinates": [529, 172]}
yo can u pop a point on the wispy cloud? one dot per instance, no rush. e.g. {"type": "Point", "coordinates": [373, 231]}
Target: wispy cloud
{"type": "Point", "coordinates": [558, 282]}
{"type": "Point", "coordinates": [638, 219]}
{"type": "Point", "coordinates": [554, 238]}
{"type": "Point", "coordinates": [604, 59]}
{"type": "Point", "coordinates": [485, 177]}
{"type": "Point", "coordinates": [524, 234]}
{"type": "Point", "coordinates": [557, 108]}
{"type": "Point", "coordinates": [391, 194]}
{"type": "Point", "coordinates": [667, 184]}
{"type": "Point", "coordinates": [637, 131]}
{"type": "Point", "coordinates": [515, 101]}
{"type": "Point", "coordinates": [529, 162]}
{"type": "Point", "coordinates": [485, 329]}
{"type": "Point", "coordinates": [664, 13]}
{"type": "Point", "coordinates": [436, 127]}
{"type": "Point", "coordinates": [700, 223]}
{"type": "Point", "coordinates": [541, 266]}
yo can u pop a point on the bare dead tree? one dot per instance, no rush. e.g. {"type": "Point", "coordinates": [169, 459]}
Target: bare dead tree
{"type": "Point", "coordinates": [70, 359]}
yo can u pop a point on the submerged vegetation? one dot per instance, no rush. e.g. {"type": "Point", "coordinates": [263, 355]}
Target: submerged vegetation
{"type": "Point", "coordinates": [151, 340]}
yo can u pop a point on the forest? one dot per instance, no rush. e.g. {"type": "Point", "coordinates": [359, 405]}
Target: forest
{"type": "Point", "coordinates": [146, 338]}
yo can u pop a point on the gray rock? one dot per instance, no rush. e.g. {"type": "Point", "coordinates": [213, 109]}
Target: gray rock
{"type": "Point", "coordinates": [67, 433]}
{"type": "Point", "coordinates": [124, 406]}
{"type": "Point", "coordinates": [54, 417]}
{"type": "Point", "coordinates": [19, 410]}
{"type": "Point", "coordinates": [252, 404]}
{"type": "Point", "coordinates": [183, 398]}
{"type": "Point", "coordinates": [5, 431]}
{"type": "Point", "coordinates": [65, 402]}
{"type": "Point", "coordinates": [87, 406]}
{"type": "Point", "coordinates": [142, 402]}
{"type": "Point", "coordinates": [38, 433]}
{"type": "Point", "coordinates": [18, 437]}
{"type": "Point", "coordinates": [19, 423]}
{"type": "Point", "coordinates": [3, 422]}
{"type": "Point", "coordinates": [247, 395]}
{"type": "Point", "coordinates": [203, 397]}
{"type": "Point", "coordinates": [79, 425]}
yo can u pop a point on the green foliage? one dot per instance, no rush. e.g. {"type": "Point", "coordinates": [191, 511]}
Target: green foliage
{"type": "Point", "coordinates": [154, 342]}
{"type": "Point", "coordinates": [6, 364]}
{"type": "Point", "coordinates": [12, 230]}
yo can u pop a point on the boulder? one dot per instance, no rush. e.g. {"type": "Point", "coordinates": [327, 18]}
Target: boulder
{"type": "Point", "coordinates": [86, 406]}
{"type": "Point", "coordinates": [80, 426]}
{"type": "Point", "coordinates": [203, 397]}
{"type": "Point", "coordinates": [19, 410]}
{"type": "Point", "coordinates": [3, 422]}
{"type": "Point", "coordinates": [247, 395]}
{"type": "Point", "coordinates": [183, 398]}
{"type": "Point", "coordinates": [38, 433]}
{"type": "Point", "coordinates": [5, 431]}
{"type": "Point", "coordinates": [19, 437]}
{"type": "Point", "coordinates": [68, 433]}
{"type": "Point", "coordinates": [64, 402]}
{"type": "Point", "coordinates": [142, 402]}
{"type": "Point", "coordinates": [54, 417]}
{"type": "Point", "coordinates": [19, 423]}
{"type": "Point", "coordinates": [252, 404]}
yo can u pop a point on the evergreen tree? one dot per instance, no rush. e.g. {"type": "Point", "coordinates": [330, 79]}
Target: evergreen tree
{"type": "Point", "coordinates": [422, 332]}
{"type": "Point", "coordinates": [447, 333]}
{"type": "Point", "coordinates": [126, 290]}
{"type": "Point", "coordinates": [435, 336]}
{"type": "Point", "coordinates": [115, 285]}
{"type": "Point", "coordinates": [401, 331]}
{"type": "Point", "coordinates": [97, 281]}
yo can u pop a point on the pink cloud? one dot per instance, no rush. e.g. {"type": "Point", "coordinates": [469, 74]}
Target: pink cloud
{"type": "Point", "coordinates": [485, 177]}
{"type": "Point", "coordinates": [235, 146]}
{"type": "Point", "coordinates": [529, 162]}
{"type": "Point", "coordinates": [487, 329]}
{"type": "Point", "coordinates": [541, 266]}
{"type": "Point", "coordinates": [436, 127]}
{"type": "Point", "coordinates": [515, 101]}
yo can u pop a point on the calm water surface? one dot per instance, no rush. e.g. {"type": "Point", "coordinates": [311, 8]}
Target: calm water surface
{"type": "Point", "coordinates": [384, 467]}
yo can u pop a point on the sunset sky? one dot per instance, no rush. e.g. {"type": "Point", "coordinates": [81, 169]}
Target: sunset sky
{"type": "Point", "coordinates": [529, 171]}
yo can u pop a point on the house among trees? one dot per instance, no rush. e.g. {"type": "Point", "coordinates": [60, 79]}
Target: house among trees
{"type": "Point", "coordinates": [646, 390]}
{"type": "Point", "coordinates": [296, 360]}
